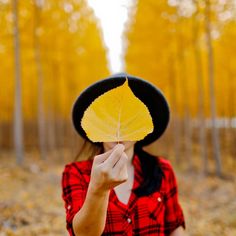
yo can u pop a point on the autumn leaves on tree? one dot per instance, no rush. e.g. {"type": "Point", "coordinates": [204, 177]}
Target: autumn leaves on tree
{"type": "Point", "coordinates": [51, 50]}
{"type": "Point", "coordinates": [58, 51]}
{"type": "Point", "coordinates": [181, 47]}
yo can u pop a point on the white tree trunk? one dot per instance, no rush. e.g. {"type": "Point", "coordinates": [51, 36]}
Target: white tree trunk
{"type": "Point", "coordinates": [41, 113]}
{"type": "Point", "coordinates": [201, 97]}
{"type": "Point", "coordinates": [18, 123]}
{"type": "Point", "coordinates": [184, 83]}
{"type": "Point", "coordinates": [173, 101]}
{"type": "Point", "coordinates": [215, 134]}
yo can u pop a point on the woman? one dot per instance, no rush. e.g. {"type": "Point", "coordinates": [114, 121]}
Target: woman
{"type": "Point", "coordinates": [121, 189]}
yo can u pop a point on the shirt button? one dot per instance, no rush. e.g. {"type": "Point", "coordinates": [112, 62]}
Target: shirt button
{"type": "Point", "coordinates": [68, 208]}
{"type": "Point", "coordinates": [129, 220]}
{"type": "Point", "coordinates": [159, 199]}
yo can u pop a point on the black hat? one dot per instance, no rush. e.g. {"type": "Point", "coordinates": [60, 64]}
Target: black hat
{"type": "Point", "coordinates": [150, 95]}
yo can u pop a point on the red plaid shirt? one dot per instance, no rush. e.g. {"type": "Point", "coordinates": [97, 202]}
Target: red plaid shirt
{"type": "Point", "coordinates": [157, 214]}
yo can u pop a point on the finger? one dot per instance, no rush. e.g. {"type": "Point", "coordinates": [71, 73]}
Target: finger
{"type": "Point", "coordinates": [98, 159]}
{"type": "Point", "coordinates": [114, 156]}
{"type": "Point", "coordinates": [121, 163]}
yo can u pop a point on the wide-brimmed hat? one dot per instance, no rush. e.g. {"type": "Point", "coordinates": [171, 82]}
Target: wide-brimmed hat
{"type": "Point", "coordinates": [150, 95]}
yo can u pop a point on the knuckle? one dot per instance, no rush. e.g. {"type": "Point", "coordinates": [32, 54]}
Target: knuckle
{"type": "Point", "coordinates": [114, 177]}
{"type": "Point", "coordinates": [96, 158]}
{"type": "Point", "coordinates": [124, 158]}
{"type": "Point", "coordinates": [125, 177]}
{"type": "Point", "coordinates": [124, 180]}
{"type": "Point", "coordinates": [104, 171]}
{"type": "Point", "coordinates": [122, 163]}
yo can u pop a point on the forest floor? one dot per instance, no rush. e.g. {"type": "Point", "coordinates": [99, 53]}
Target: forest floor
{"type": "Point", "coordinates": [31, 203]}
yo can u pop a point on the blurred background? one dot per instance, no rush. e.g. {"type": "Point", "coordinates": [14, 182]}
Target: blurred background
{"type": "Point", "coordinates": [51, 50]}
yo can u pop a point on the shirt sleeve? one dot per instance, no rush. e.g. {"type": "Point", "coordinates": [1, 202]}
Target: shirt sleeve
{"type": "Point", "coordinates": [73, 193]}
{"type": "Point", "coordinates": [173, 214]}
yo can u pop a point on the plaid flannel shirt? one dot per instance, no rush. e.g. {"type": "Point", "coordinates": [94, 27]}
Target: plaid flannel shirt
{"type": "Point", "coordinates": [157, 214]}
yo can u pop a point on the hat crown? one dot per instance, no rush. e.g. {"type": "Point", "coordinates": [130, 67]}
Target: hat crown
{"type": "Point", "coordinates": [149, 94]}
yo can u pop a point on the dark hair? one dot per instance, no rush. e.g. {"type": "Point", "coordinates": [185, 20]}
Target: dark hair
{"type": "Point", "coordinates": [152, 173]}
{"type": "Point", "coordinates": [89, 150]}
{"type": "Point", "coordinates": [151, 169]}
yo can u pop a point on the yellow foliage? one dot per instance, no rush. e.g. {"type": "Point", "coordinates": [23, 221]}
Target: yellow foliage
{"type": "Point", "coordinates": [161, 47]}
{"type": "Point", "coordinates": [72, 55]}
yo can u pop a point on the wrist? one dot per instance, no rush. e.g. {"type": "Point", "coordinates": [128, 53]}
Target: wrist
{"type": "Point", "coordinates": [94, 191]}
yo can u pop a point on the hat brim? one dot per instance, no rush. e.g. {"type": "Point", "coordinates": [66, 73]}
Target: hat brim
{"type": "Point", "coordinates": [151, 96]}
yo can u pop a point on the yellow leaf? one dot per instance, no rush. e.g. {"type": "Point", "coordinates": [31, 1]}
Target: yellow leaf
{"type": "Point", "coordinates": [117, 115]}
